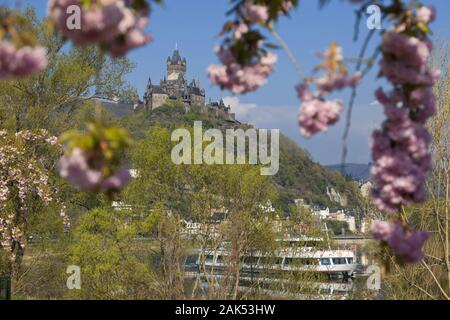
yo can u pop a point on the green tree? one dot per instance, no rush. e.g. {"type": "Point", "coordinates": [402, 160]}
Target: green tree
{"type": "Point", "coordinates": [103, 249]}
{"type": "Point", "coordinates": [50, 99]}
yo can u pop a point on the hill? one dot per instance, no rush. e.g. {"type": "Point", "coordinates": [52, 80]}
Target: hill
{"type": "Point", "coordinates": [299, 177]}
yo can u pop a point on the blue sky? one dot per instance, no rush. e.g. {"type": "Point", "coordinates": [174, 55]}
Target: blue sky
{"type": "Point", "coordinates": [194, 26]}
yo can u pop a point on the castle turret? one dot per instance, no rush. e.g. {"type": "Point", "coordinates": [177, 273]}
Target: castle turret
{"type": "Point", "coordinates": [149, 83]}
{"type": "Point", "coordinates": [148, 95]}
{"type": "Point", "coordinates": [176, 66]}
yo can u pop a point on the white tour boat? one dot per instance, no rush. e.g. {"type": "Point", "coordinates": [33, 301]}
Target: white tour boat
{"type": "Point", "coordinates": [307, 257]}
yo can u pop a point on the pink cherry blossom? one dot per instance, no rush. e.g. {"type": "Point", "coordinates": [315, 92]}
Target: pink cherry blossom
{"type": "Point", "coordinates": [286, 6]}
{"type": "Point", "coordinates": [400, 163]}
{"type": "Point", "coordinates": [98, 24]}
{"type": "Point", "coordinates": [255, 13]}
{"type": "Point", "coordinates": [241, 78]}
{"type": "Point", "coordinates": [133, 39]}
{"type": "Point", "coordinates": [406, 243]}
{"type": "Point", "coordinates": [118, 180]}
{"type": "Point", "coordinates": [394, 99]}
{"type": "Point", "coordinates": [76, 170]}
{"type": "Point", "coordinates": [133, 33]}
{"type": "Point", "coordinates": [241, 29]}
{"type": "Point", "coordinates": [411, 50]}
{"type": "Point", "coordinates": [382, 230]}
{"type": "Point", "coordinates": [317, 115]}
{"type": "Point", "coordinates": [400, 148]}
{"type": "Point", "coordinates": [304, 93]}
{"type": "Point", "coordinates": [426, 14]}
{"type": "Point", "coordinates": [21, 62]}
{"type": "Point", "coordinates": [336, 81]}
{"type": "Point", "coordinates": [424, 103]}
{"type": "Point", "coordinates": [112, 24]}
{"type": "Point", "coordinates": [405, 59]}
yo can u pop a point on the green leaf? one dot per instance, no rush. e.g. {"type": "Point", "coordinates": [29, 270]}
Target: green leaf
{"type": "Point", "coordinates": [423, 27]}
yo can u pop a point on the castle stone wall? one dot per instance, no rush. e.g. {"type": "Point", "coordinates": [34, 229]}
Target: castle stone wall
{"type": "Point", "coordinates": [158, 99]}
{"type": "Point", "coordinates": [197, 100]}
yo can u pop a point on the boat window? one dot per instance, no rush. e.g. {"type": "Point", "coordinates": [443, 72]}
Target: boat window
{"type": "Point", "coordinates": [339, 261]}
{"type": "Point", "coordinates": [265, 261]}
{"type": "Point", "coordinates": [191, 259]}
{"type": "Point", "coordinates": [349, 260]}
{"type": "Point", "coordinates": [251, 260]}
{"type": "Point", "coordinates": [245, 283]}
{"type": "Point", "coordinates": [265, 285]}
{"type": "Point", "coordinates": [311, 244]}
{"type": "Point", "coordinates": [325, 291]}
{"type": "Point", "coordinates": [325, 262]}
{"type": "Point", "coordinates": [309, 262]}
{"type": "Point", "coordinates": [219, 259]}
{"type": "Point", "coordinates": [209, 259]}
{"type": "Point", "coordinates": [299, 261]}
{"type": "Point", "coordinates": [268, 261]}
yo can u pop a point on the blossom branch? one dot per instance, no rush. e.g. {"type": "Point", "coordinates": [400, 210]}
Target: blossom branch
{"type": "Point", "coordinates": [288, 51]}
{"type": "Point", "coordinates": [354, 92]}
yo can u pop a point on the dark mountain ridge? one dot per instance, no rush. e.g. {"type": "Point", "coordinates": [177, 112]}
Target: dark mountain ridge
{"type": "Point", "coordinates": [358, 171]}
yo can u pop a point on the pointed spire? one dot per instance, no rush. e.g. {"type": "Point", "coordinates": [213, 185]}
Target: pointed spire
{"type": "Point", "coordinates": [176, 57]}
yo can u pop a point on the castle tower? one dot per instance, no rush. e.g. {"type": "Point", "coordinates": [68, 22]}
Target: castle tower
{"type": "Point", "coordinates": [176, 66]}
{"type": "Point", "coordinates": [148, 95]}
{"type": "Point", "coordinates": [174, 86]}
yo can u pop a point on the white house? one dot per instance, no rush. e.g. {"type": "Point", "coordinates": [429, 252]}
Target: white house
{"type": "Point", "coordinates": [322, 213]}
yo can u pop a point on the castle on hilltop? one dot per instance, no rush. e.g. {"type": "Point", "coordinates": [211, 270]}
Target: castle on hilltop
{"type": "Point", "coordinates": [175, 86]}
